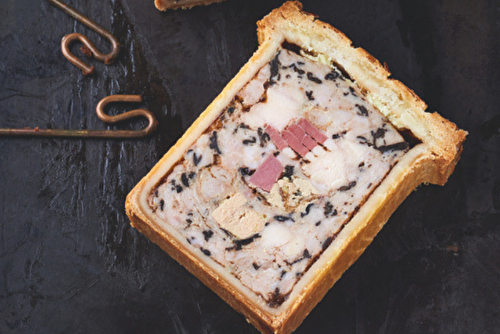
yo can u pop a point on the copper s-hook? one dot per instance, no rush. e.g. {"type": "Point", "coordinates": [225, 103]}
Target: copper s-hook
{"type": "Point", "coordinates": [89, 48]}
{"type": "Point", "coordinates": [152, 123]}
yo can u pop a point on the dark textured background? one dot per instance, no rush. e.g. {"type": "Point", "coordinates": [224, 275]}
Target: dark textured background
{"type": "Point", "coordinates": [71, 263]}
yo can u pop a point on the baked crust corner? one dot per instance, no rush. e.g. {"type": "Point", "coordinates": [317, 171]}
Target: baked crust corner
{"type": "Point", "coordinates": [163, 6]}
{"type": "Point", "coordinates": [400, 104]}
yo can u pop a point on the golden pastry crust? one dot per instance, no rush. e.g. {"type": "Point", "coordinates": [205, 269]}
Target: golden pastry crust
{"type": "Point", "coordinates": [432, 161]}
{"type": "Point", "coordinates": [163, 5]}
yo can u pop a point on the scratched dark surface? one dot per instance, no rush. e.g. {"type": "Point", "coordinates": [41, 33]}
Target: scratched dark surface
{"type": "Point", "coordinates": [71, 263]}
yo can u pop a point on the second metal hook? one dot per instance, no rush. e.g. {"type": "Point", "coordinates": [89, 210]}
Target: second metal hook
{"type": "Point", "coordinates": [152, 123]}
{"type": "Point", "coordinates": [89, 48]}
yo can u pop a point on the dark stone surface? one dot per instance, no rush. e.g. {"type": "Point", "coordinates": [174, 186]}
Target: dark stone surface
{"type": "Point", "coordinates": [71, 263]}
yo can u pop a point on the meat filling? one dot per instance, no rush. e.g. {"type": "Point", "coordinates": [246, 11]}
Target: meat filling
{"type": "Point", "coordinates": [267, 188]}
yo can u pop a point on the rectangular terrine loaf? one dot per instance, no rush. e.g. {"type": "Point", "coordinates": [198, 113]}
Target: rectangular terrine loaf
{"type": "Point", "coordinates": [284, 180]}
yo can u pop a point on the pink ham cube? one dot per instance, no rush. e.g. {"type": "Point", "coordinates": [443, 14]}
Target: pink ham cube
{"type": "Point", "coordinates": [319, 136]}
{"type": "Point", "coordinates": [275, 137]}
{"type": "Point", "coordinates": [267, 174]}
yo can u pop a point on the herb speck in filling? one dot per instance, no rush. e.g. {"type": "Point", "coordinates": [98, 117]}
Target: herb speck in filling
{"type": "Point", "coordinates": [288, 171]}
{"type": "Point", "coordinates": [328, 210]}
{"type": "Point", "coordinates": [283, 218]}
{"type": "Point", "coordinates": [331, 76]}
{"type": "Point", "coordinates": [208, 234]}
{"type": "Point", "coordinates": [214, 145]}
{"type": "Point", "coordinates": [394, 147]}
{"type": "Point", "coordinates": [244, 171]}
{"type": "Point", "coordinates": [306, 212]}
{"type": "Point", "coordinates": [275, 67]}
{"type": "Point", "coordinates": [263, 136]}
{"type": "Point", "coordinates": [309, 95]}
{"type": "Point", "coordinates": [185, 180]}
{"type": "Point", "coordinates": [196, 159]}
{"type": "Point", "coordinates": [311, 77]}
{"type": "Point", "coordinates": [362, 110]}
{"type": "Point", "coordinates": [252, 140]}
{"type": "Point", "coordinates": [348, 187]}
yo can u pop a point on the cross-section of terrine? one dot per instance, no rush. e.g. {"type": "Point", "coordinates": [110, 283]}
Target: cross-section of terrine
{"type": "Point", "coordinates": [289, 174]}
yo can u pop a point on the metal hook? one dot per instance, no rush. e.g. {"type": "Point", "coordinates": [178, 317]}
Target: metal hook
{"type": "Point", "coordinates": [152, 123]}
{"type": "Point", "coordinates": [89, 48]}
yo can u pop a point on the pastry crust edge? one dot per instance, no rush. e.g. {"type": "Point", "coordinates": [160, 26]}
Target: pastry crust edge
{"type": "Point", "coordinates": [161, 5]}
